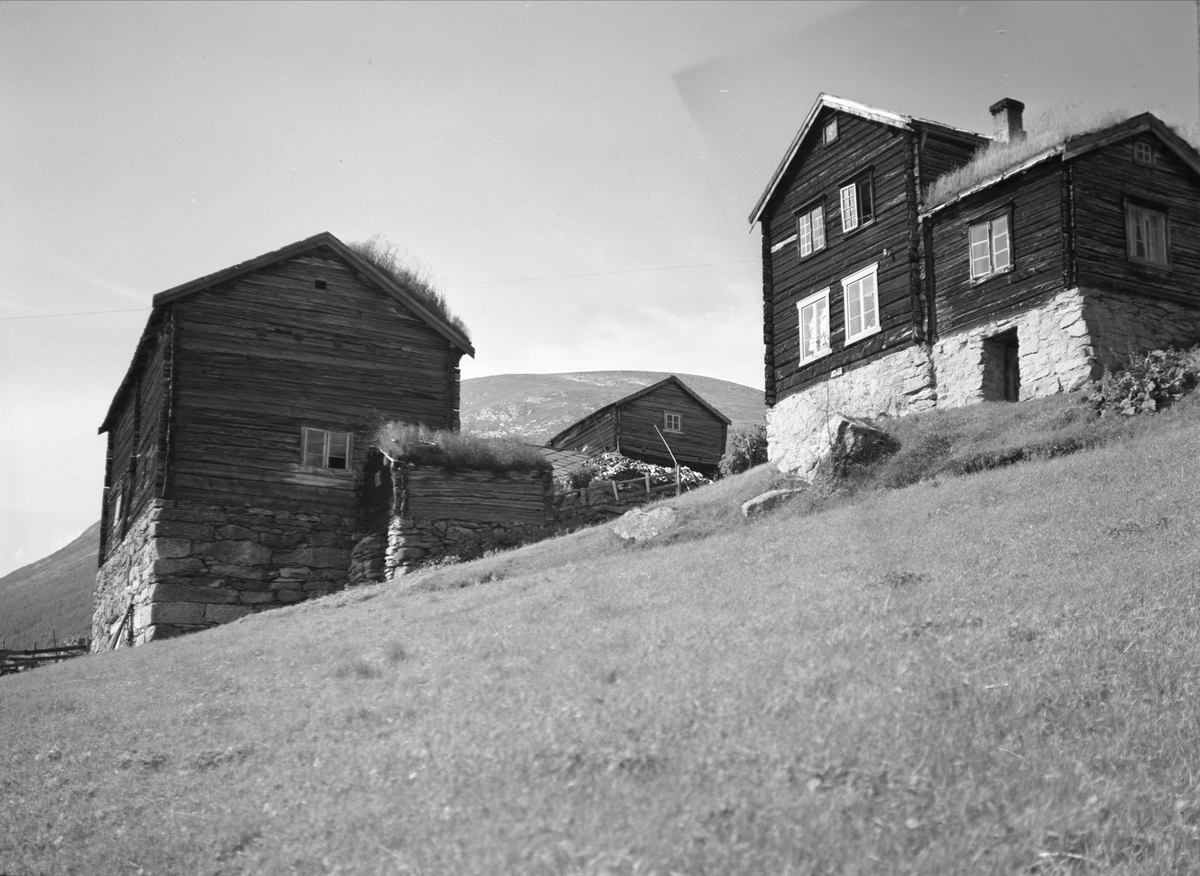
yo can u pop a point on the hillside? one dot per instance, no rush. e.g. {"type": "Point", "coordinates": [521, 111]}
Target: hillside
{"type": "Point", "coordinates": [994, 673]}
{"type": "Point", "coordinates": [52, 597]}
{"type": "Point", "coordinates": [537, 406]}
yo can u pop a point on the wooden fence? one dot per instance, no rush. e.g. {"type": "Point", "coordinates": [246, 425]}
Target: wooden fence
{"type": "Point", "coordinates": [19, 661]}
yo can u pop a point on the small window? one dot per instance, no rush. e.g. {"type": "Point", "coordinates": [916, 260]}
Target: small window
{"type": "Point", "coordinates": [1143, 152]}
{"type": "Point", "coordinates": [1146, 233]}
{"type": "Point", "coordinates": [814, 326]}
{"type": "Point", "coordinates": [857, 202]}
{"type": "Point", "coordinates": [672, 422]}
{"type": "Point", "coordinates": [991, 249]}
{"type": "Point", "coordinates": [831, 130]}
{"type": "Point", "coordinates": [861, 293]}
{"type": "Point", "coordinates": [326, 449]}
{"type": "Point", "coordinates": [810, 230]}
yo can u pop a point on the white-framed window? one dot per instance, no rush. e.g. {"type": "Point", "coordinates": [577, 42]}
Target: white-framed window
{"type": "Point", "coordinates": [831, 130]}
{"type": "Point", "coordinates": [860, 292]}
{"type": "Point", "coordinates": [810, 230]}
{"type": "Point", "coordinates": [1146, 234]}
{"type": "Point", "coordinates": [323, 449]}
{"type": "Point", "coordinates": [857, 200]}
{"type": "Point", "coordinates": [991, 247]}
{"type": "Point", "coordinates": [1143, 152]}
{"type": "Point", "coordinates": [672, 422]}
{"type": "Point", "coordinates": [814, 326]}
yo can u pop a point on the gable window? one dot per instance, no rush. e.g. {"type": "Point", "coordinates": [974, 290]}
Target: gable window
{"type": "Point", "coordinates": [831, 130]}
{"type": "Point", "coordinates": [814, 326]}
{"type": "Point", "coordinates": [861, 293]}
{"type": "Point", "coordinates": [322, 449]}
{"type": "Point", "coordinates": [857, 202]}
{"type": "Point", "coordinates": [991, 249]}
{"type": "Point", "coordinates": [810, 230]}
{"type": "Point", "coordinates": [1143, 152]}
{"type": "Point", "coordinates": [672, 422]}
{"type": "Point", "coordinates": [1146, 234]}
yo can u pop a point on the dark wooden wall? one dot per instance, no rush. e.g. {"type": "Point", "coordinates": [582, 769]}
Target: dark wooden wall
{"type": "Point", "coordinates": [939, 154]}
{"type": "Point", "coordinates": [268, 354]}
{"type": "Point", "coordinates": [1100, 181]}
{"type": "Point", "coordinates": [597, 432]}
{"type": "Point", "coordinates": [817, 172]}
{"type": "Point", "coordinates": [1035, 199]}
{"type": "Point", "coordinates": [700, 444]}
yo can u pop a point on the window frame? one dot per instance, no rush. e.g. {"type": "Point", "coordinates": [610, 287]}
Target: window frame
{"type": "Point", "coordinates": [1149, 158]}
{"type": "Point", "coordinates": [855, 187]}
{"type": "Point", "coordinates": [1147, 210]}
{"type": "Point", "coordinates": [326, 440]}
{"type": "Point", "coordinates": [827, 348]}
{"type": "Point", "coordinates": [678, 419]}
{"type": "Point", "coordinates": [831, 124]}
{"type": "Point", "coordinates": [807, 212]}
{"type": "Point", "coordinates": [989, 221]}
{"type": "Point", "coordinates": [871, 271]}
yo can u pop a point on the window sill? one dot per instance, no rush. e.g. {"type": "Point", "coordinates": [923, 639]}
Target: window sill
{"type": "Point", "coordinates": [804, 363]}
{"type": "Point", "coordinates": [1154, 267]}
{"type": "Point", "coordinates": [863, 226]}
{"type": "Point", "coordinates": [979, 281]}
{"type": "Point", "coordinates": [861, 337]}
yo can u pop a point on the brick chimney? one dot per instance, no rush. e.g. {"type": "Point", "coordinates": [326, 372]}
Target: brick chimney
{"type": "Point", "coordinates": [1006, 120]}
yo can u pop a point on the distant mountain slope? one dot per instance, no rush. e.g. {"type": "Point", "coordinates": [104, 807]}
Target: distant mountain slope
{"type": "Point", "coordinates": [52, 597]}
{"type": "Point", "coordinates": [537, 406]}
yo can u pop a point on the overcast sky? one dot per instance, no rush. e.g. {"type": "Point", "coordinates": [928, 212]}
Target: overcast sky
{"type": "Point", "coordinates": [577, 175]}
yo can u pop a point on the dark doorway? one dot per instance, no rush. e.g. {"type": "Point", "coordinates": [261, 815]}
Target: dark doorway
{"type": "Point", "coordinates": [1001, 367]}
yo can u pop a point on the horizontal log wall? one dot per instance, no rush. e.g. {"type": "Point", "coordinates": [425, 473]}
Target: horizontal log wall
{"type": "Point", "coordinates": [266, 356]}
{"type": "Point", "coordinates": [1033, 200]}
{"type": "Point", "coordinates": [700, 444]}
{"type": "Point", "coordinates": [940, 154]}
{"type": "Point", "coordinates": [1102, 180]}
{"type": "Point", "coordinates": [595, 433]}
{"type": "Point", "coordinates": [817, 172]}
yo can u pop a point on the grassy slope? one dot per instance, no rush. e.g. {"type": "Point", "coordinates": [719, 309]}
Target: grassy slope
{"type": "Point", "coordinates": [988, 674]}
{"type": "Point", "coordinates": [537, 406]}
{"type": "Point", "coordinates": [52, 597]}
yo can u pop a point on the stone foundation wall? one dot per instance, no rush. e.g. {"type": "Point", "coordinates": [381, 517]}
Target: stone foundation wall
{"type": "Point", "coordinates": [187, 566]}
{"type": "Point", "coordinates": [1061, 345]}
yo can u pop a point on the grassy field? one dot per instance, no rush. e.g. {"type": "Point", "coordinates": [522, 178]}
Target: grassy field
{"type": "Point", "coordinates": [994, 673]}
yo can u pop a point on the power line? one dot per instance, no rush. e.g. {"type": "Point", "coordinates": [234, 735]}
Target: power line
{"type": "Point", "coordinates": [451, 286]}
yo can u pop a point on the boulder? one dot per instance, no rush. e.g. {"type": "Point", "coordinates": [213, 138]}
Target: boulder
{"type": "Point", "coordinates": [641, 524]}
{"type": "Point", "coordinates": [842, 442]}
{"type": "Point", "coordinates": [768, 501]}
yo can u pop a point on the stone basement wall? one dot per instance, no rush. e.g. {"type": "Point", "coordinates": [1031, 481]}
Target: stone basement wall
{"type": "Point", "coordinates": [1062, 345]}
{"type": "Point", "coordinates": [188, 566]}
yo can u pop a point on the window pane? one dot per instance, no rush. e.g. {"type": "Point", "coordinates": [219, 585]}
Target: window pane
{"type": "Point", "coordinates": [818, 228]}
{"type": "Point", "coordinates": [870, 306]}
{"type": "Point", "coordinates": [804, 229]}
{"type": "Point", "coordinates": [1157, 234]}
{"type": "Point", "coordinates": [981, 263]}
{"type": "Point", "coordinates": [866, 200]}
{"type": "Point", "coordinates": [1000, 257]}
{"type": "Point", "coordinates": [849, 208]}
{"type": "Point", "coordinates": [314, 448]}
{"type": "Point", "coordinates": [339, 450]}
{"type": "Point", "coordinates": [854, 309]}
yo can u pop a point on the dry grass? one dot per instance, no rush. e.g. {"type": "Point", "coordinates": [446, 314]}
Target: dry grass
{"type": "Point", "coordinates": [1045, 131]}
{"type": "Point", "coordinates": [411, 273]}
{"type": "Point", "coordinates": [988, 674]}
{"type": "Point", "coordinates": [457, 451]}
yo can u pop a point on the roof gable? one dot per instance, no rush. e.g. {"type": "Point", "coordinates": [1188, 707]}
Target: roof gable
{"type": "Point", "coordinates": [850, 107]}
{"type": "Point", "coordinates": [644, 391]}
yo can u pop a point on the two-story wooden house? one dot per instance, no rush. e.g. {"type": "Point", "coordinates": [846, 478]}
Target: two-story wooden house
{"type": "Point", "coordinates": [651, 424]}
{"type": "Point", "coordinates": [893, 283]}
{"type": "Point", "coordinates": [237, 437]}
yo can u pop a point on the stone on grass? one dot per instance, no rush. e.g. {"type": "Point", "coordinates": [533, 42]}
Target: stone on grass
{"type": "Point", "coordinates": [768, 501]}
{"type": "Point", "coordinates": [641, 524]}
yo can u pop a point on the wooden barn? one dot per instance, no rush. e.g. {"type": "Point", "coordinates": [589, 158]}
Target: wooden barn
{"type": "Point", "coordinates": [890, 285]}
{"type": "Point", "coordinates": [237, 437]}
{"type": "Point", "coordinates": [644, 424]}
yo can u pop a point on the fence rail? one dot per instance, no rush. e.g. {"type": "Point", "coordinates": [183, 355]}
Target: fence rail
{"type": "Point", "coordinates": [19, 661]}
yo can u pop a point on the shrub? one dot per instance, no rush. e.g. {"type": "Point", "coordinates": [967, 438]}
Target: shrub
{"type": "Point", "coordinates": [413, 276]}
{"type": "Point", "coordinates": [615, 467]}
{"type": "Point", "coordinates": [457, 451]}
{"type": "Point", "coordinates": [745, 449]}
{"type": "Point", "coordinates": [1149, 383]}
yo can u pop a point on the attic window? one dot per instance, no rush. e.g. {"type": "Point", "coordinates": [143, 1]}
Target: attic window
{"type": "Point", "coordinates": [320, 284]}
{"type": "Point", "coordinates": [672, 422]}
{"type": "Point", "coordinates": [1146, 234]}
{"type": "Point", "coordinates": [322, 449]}
{"type": "Point", "coordinates": [831, 130]}
{"type": "Point", "coordinates": [1143, 152]}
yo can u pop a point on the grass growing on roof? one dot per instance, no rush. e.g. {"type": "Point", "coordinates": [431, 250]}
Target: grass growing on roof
{"type": "Point", "coordinates": [407, 442]}
{"type": "Point", "coordinates": [1044, 132]}
{"type": "Point", "coordinates": [414, 276]}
